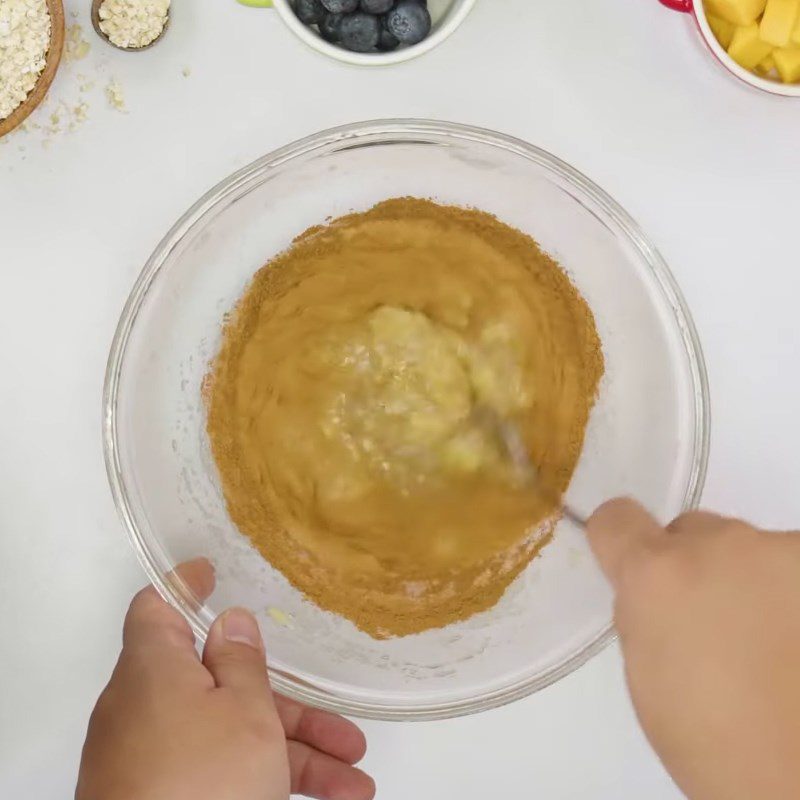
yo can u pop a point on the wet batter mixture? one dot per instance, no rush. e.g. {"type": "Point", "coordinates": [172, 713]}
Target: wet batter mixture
{"type": "Point", "coordinates": [341, 410]}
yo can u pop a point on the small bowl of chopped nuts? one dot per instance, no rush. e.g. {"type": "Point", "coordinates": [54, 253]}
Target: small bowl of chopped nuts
{"type": "Point", "coordinates": [373, 32]}
{"type": "Point", "coordinates": [31, 42]}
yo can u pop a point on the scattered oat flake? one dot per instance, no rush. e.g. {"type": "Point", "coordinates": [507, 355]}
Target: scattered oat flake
{"type": "Point", "coordinates": [115, 96]}
{"type": "Point", "coordinates": [85, 83]}
{"type": "Point", "coordinates": [186, 72]}
{"type": "Point", "coordinates": [281, 617]}
{"type": "Point", "coordinates": [75, 45]}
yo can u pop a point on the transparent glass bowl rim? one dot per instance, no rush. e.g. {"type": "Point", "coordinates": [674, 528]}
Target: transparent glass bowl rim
{"type": "Point", "coordinates": [381, 132]}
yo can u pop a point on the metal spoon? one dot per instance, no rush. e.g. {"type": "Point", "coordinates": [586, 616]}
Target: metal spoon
{"type": "Point", "coordinates": [96, 25]}
{"type": "Point", "coordinates": [509, 436]}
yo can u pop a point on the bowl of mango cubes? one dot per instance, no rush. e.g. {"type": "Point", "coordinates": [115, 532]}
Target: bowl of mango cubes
{"type": "Point", "coordinates": [757, 40]}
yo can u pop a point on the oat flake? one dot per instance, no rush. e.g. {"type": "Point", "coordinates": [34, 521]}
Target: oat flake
{"type": "Point", "coordinates": [75, 46]}
{"type": "Point", "coordinates": [115, 96]}
{"type": "Point", "coordinates": [24, 41]}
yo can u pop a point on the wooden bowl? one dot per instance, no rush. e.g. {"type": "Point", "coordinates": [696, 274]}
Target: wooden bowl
{"type": "Point", "coordinates": [95, 15]}
{"type": "Point", "coordinates": [21, 112]}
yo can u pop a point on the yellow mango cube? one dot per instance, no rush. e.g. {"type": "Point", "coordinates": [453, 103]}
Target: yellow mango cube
{"type": "Point", "coordinates": [722, 29]}
{"type": "Point", "coordinates": [787, 60]}
{"type": "Point", "coordinates": [796, 34]}
{"type": "Point", "coordinates": [766, 66]}
{"type": "Point", "coordinates": [777, 24]}
{"type": "Point", "coordinates": [747, 49]}
{"type": "Point", "coordinates": [739, 12]}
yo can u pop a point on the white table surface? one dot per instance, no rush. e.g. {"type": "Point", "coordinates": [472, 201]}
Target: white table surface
{"type": "Point", "coordinates": [621, 89]}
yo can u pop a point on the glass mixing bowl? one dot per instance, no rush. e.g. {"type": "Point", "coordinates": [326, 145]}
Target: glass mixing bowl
{"type": "Point", "coordinates": [648, 435]}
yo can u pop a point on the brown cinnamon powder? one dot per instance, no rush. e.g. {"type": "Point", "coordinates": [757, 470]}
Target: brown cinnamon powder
{"type": "Point", "coordinates": [340, 410]}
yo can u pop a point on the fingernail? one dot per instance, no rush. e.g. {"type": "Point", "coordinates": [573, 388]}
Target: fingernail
{"type": "Point", "coordinates": [239, 625]}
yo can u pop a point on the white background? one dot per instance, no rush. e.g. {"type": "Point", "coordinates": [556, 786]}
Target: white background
{"type": "Point", "coordinates": [621, 89]}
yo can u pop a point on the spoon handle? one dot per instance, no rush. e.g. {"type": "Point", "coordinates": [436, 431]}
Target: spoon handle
{"type": "Point", "coordinates": [511, 439]}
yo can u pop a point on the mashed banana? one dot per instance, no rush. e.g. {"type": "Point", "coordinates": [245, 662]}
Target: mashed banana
{"type": "Point", "coordinates": [342, 410]}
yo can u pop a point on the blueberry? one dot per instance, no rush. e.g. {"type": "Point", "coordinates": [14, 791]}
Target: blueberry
{"type": "Point", "coordinates": [340, 6]}
{"type": "Point", "coordinates": [376, 6]}
{"type": "Point", "coordinates": [309, 12]}
{"type": "Point", "coordinates": [330, 27]}
{"type": "Point", "coordinates": [360, 32]}
{"type": "Point", "coordinates": [409, 21]}
{"type": "Point", "coordinates": [387, 41]}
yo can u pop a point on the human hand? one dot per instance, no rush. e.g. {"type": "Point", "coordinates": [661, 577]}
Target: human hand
{"type": "Point", "coordinates": [708, 614]}
{"type": "Point", "coordinates": [170, 726]}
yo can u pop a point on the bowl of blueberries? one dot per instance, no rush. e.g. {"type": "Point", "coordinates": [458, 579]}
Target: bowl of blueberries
{"type": "Point", "coordinates": [373, 32]}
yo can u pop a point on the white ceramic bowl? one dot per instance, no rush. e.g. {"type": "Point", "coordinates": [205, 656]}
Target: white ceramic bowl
{"type": "Point", "coordinates": [697, 8]}
{"type": "Point", "coordinates": [447, 16]}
